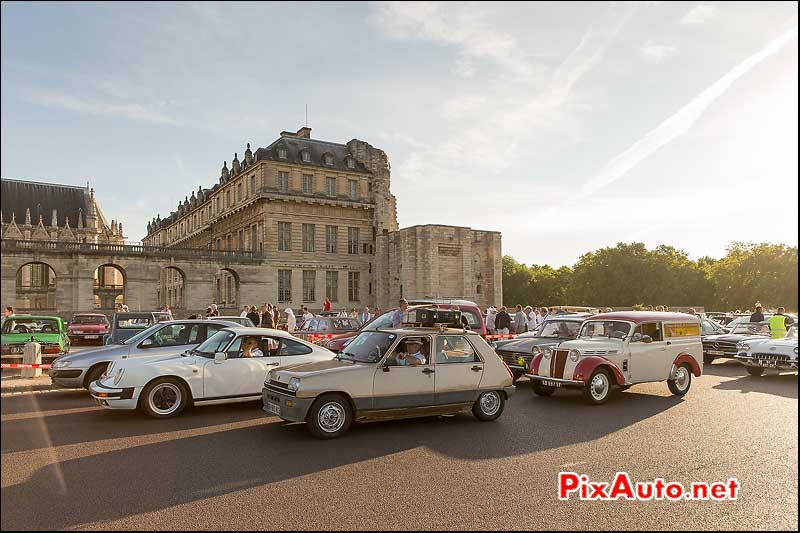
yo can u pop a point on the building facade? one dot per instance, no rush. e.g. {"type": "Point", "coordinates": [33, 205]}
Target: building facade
{"type": "Point", "coordinates": [324, 219]}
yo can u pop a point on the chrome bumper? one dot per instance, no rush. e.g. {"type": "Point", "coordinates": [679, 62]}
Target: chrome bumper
{"type": "Point", "coordinates": [568, 382]}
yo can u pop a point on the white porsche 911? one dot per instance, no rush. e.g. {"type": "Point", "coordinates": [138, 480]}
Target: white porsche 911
{"type": "Point", "coordinates": [229, 367]}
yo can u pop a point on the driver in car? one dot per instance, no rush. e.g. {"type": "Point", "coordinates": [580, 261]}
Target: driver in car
{"type": "Point", "coordinates": [412, 357]}
{"type": "Point", "coordinates": [251, 348]}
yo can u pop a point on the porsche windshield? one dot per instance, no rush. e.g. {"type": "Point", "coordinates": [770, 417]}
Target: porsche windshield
{"type": "Point", "coordinates": [610, 329]}
{"type": "Point", "coordinates": [368, 347]}
{"type": "Point", "coordinates": [214, 344]}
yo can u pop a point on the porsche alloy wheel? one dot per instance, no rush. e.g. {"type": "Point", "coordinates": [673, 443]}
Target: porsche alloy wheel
{"type": "Point", "coordinates": [164, 398]}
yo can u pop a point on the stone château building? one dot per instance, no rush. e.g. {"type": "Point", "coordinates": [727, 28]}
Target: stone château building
{"type": "Point", "coordinates": [323, 217]}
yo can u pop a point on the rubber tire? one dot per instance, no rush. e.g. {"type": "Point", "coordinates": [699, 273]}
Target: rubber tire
{"type": "Point", "coordinates": [94, 374]}
{"type": "Point", "coordinates": [313, 413]}
{"type": "Point", "coordinates": [673, 388]}
{"type": "Point", "coordinates": [586, 390]}
{"type": "Point", "coordinates": [542, 390]}
{"type": "Point", "coordinates": [476, 408]}
{"type": "Point", "coordinates": [144, 405]}
{"type": "Point", "coordinates": [755, 371]}
{"type": "Point", "coordinates": [708, 359]}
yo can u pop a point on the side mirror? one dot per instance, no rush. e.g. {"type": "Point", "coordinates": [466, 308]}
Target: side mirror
{"type": "Point", "coordinates": [647, 339]}
{"type": "Point", "coordinates": [637, 337]}
{"type": "Point", "coordinates": [147, 343]}
{"type": "Point", "coordinates": [220, 357]}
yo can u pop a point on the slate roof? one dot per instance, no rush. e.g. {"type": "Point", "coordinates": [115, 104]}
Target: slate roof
{"type": "Point", "coordinates": [42, 198]}
{"type": "Point", "coordinates": [317, 149]}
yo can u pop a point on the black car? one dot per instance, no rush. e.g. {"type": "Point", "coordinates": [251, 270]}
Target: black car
{"type": "Point", "coordinates": [518, 352]}
{"type": "Point", "coordinates": [126, 325]}
{"type": "Point", "coordinates": [725, 345]}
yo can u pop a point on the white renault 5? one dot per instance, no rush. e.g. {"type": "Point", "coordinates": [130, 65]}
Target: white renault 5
{"type": "Point", "coordinates": [229, 367]}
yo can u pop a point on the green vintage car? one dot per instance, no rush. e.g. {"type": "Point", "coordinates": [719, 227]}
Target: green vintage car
{"type": "Point", "coordinates": [49, 331]}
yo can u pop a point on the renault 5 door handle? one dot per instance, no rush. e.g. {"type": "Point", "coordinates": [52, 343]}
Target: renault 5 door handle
{"type": "Point", "coordinates": [476, 368]}
{"type": "Point", "coordinates": [428, 371]}
{"type": "Point", "coordinates": [272, 364]}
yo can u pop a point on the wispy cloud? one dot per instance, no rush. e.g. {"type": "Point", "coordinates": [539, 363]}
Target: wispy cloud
{"type": "Point", "coordinates": [682, 121]}
{"type": "Point", "coordinates": [93, 106]}
{"type": "Point", "coordinates": [657, 52]}
{"type": "Point", "coordinates": [700, 14]}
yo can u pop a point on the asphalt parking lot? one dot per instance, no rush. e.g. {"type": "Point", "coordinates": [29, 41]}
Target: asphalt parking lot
{"type": "Point", "coordinates": [69, 464]}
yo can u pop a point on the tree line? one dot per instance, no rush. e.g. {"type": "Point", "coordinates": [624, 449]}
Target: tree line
{"type": "Point", "coordinates": [629, 274]}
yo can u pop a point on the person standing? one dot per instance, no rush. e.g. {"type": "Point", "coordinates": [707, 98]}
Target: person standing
{"type": "Point", "coordinates": [758, 314]}
{"type": "Point", "coordinates": [253, 315]}
{"type": "Point", "coordinates": [266, 318]}
{"type": "Point", "coordinates": [519, 320]}
{"type": "Point", "coordinates": [779, 323]}
{"type": "Point", "coordinates": [503, 321]}
{"type": "Point", "coordinates": [9, 312]}
{"type": "Point", "coordinates": [291, 320]}
{"type": "Point", "coordinates": [327, 305]}
{"type": "Point", "coordinates": [398, 315]}
{"type": "Point", "coordinates": [245, 310]}
{"type": "Point", "coordinates": [491, 317]}
{"type": "Point", "coordinates": [307, 315]}
{"type": "Point", "coordinates": [364, 316]}
{"type": "Point", "coordinates": [530, 318]}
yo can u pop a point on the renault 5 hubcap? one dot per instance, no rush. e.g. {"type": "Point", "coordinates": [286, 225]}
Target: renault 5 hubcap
{"type": "Point", "coordinates": [331, 417]}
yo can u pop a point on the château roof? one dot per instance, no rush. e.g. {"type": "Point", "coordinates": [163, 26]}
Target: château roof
{"type": "Point", "coordinates": [41, 199]}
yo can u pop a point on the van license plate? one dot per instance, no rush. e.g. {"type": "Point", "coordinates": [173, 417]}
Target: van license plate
{"type": "Point", "coordinates": [548, 383]}
{"type": "Point", "coordinates": [716, 352]}
{"type": "Point", "coordinates": [274, 409]}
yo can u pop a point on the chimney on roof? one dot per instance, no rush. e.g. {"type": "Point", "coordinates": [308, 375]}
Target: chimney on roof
{"type": "Point", "coordinates": [304, 132]}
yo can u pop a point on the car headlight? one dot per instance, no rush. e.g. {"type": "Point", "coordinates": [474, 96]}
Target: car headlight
{"type": "Point", "coordinates": [795, 350]}
{"type": "Point", "coordinates": [294, 384]}
{"type": "Point", "coordinates": [743, 346]}
{"type": "Point", "coordinates": [61, 364]}
{"type": "Point", "coordinates": [547, 353]}
{"type": "Point", "coordinates": [118, 376]}
{"type": "Point", "coordinates": [536, 350]}
{"type": "Point", "coordinates": [574, 355]}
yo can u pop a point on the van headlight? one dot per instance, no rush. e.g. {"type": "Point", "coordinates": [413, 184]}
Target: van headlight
{"type": "Point", "coordinates": [294, 384]}
{"type": "Point", "coordinates": [547, 353]}
{"type": "Point", "coordinates": [118, 376]}
{"type": "Point", "coordinates": [574, 355]}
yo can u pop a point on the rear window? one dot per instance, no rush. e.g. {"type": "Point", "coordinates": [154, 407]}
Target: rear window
{"type": "Point", "coordinates": [90, 320]}
{"type": "Point", "coordinates": [134, 323]}
{"type": "Point", "coordinates": [30, 325]}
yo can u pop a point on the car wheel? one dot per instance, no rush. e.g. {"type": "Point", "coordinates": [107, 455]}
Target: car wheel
{"type": "Point", "coordinates": [755, 370]}
{"type": "Point", "coordinates": [541, 389]}
{"type": "Point", "coordinates": [708, 359]}
{"type": "Point", "coordinates": [683, 380]}
{"type": "Point", "coordinates": [329, 417]}
{"type": "Point", "coordinates": [598, 388]}
{"type": "Point", "coordinates": [164, 398]}
{"type": "Point", "coordinates": [489, 406]}
{"type": "Point", "coordinates": [94, 374]}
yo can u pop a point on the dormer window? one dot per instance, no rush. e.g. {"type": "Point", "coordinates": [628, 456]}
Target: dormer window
{"type": "Point", "coordinates": [351, 163]}
{"type": "Point", "coordinates": [329, 159]}
{"type": "Point", "coordinates": [282, 153]}
{"type": "Point", "coordinates": [306, 156]}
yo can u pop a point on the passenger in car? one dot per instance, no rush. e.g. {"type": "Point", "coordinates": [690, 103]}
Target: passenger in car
{"type": "Point", "coordinates": [251, 348]}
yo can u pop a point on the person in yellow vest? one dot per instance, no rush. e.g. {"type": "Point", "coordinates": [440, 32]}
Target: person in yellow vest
{"type": "Point", "coordinates": [779, 323]}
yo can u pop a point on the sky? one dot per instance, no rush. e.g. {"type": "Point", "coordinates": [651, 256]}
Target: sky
{"type": "Point", "coordinates": [566, 126]}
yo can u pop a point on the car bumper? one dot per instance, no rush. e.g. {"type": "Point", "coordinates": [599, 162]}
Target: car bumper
{"type": "Point", "coordinates": [766, 363]}
{"type": "Point", "coordinates": [113, 397]}
{"type": "Point", "coordinates": [290, 408]}
{"type": "Point", "coordinates": [67, 377]}
{"type": "Point", "coordinates": [509, 391]}
{"type": "Point", "coordinates": [560, 382]}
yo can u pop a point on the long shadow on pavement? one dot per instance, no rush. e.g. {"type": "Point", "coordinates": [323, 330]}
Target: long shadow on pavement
{"type": "Point", "coordinates": [153, 477]}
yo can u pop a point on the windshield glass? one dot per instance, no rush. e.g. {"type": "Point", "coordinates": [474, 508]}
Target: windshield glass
{"type": "Point", "coordinates": [214, 344]}
{"type": "Point", "coordinates": [560, 328]}
{"type": "Point", "coordinates": [30, 325]}
{"type": "Point", "coordinates": [368, 347]}
{"type": "Point", "coordinates": [751, 328]}
{"type": "Point", "coordinates": [612, 329]}
{"type": "Point", "coordinates": [87, 319]}
{"type": "Point", "coordinates": [134, 323]}
{"type": "Point", "coordinates": [382, 322]}
{"type": "Point", "coordinates": [792, 333]}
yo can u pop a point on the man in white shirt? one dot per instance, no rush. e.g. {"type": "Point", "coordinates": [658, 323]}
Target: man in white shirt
{"type": "Point", "coordinates": [307, 315]}
{"type": "Point", "coordinates": [412, 357]}
{"type": "Point", "coordinates": [530, 318]}
{"type": "Point", "coordinates": [364, 316]}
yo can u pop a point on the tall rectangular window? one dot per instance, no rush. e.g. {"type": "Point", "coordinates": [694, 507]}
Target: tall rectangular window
{"type": "Point", "coordinates": [252, 184]}
{"type": "Point", "coordinates": [229, 242]}
{"type": "Point", "coordinates": [352, 240]}
{"type": "Point", "coordinates": [228, 198]}
{"type": "Point", "coordinates": [308, 183]}
{"type": "Point", "coordinates": [253, 237]}
{"type": "Point", "coordinates": [239, 195]}
{"type": "Point", "coordinates": [241, 239]}
{"type": "Point", "coordinates": [330, 186]}
{"type": "Point", "coordinates": [284, 285]}
{"type": "Point", "coordinates": [353, 189]}
{"type": "Point", "coordinates": [308, 237]}
{"type": "Point", "coordinates": [352, 285]}
{"type": "Point", "coordinates": [309, 283]}
{"type": "Point", "coordinates": [228, 289]}
{"type": "Point", "coordinates": [284, 236]}
{"type": "Point", "coordinates": [283, 181]}
{"type": "Point", "coordinates": [332, 285]}
{"type": "Point", "coordinates": [330, 238]}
